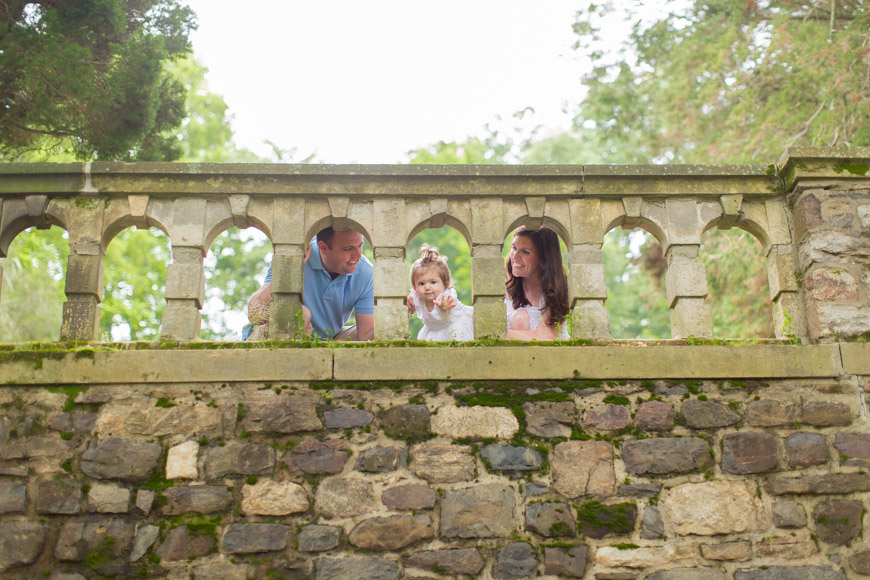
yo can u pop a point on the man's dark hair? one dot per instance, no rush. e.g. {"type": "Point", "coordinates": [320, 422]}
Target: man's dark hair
{"type": "Point", "coordinates": [326, 235]}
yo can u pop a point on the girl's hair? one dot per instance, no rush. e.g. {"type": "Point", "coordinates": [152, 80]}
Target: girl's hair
{"type": "Point", "coordinates": [430, 259]}
{"type": "Point", "coordinates": [554, 281]}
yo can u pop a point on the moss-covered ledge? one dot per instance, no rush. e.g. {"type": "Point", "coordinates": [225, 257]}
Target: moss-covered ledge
{"type": "Point", "coordinates": [147, 363]}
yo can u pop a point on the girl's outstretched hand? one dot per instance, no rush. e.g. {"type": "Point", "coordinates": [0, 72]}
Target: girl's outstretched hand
{"type": "Point", "coordinates": [445, 302]}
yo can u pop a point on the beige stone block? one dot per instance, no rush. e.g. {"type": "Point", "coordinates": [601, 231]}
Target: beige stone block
{"type": "Point", "coordinates": [691, 317]}
{"type": "Point", "coordinates": [187, 228]}
{"type": "Point", "coordinates": [289, 215]}
{"type": "Point", "coordinates": [389, 219]}
{"type": "Point", "coordinates": [586, 226]}
{"type": "Point", "coordinates": [487, 221]}
{"type": "Point", "coordinates": [181, 320]}
{"type": "Point", "coordinates": [777, 222]}
{"type": "Point", "coordinates": [644, 557]}
{"type": "Point", "coordinates": [84, 275]}
{"type": "Point", "coordinates": [831, 285]}
{"type": "Point", "coordinates": [391, 319]}
{"type": "Point", "coordinates": [487, 276]}
{"type": "Point", "coordinates": [685, 279]}
{"type": "Point", "coordinates": [108, 499]}
{"type": "Point", "coordinates": [788, 320]}
{"type": "Point", "coordinates": [826, 321]}
{"type": "Point", "coordinates": [139, 416]}
{"type": "Point", "coordinates": [856, 357]}
{"type": "Point", "coordinates": [727, 551]}
{"type": "Point", "coordinates": [683, 226]}
{"type": "Point", "coordinates": [81, 318]}
{"type": "Point", "coordinates": [181, 461]}
{"type": "Point", "coordinates": [713, 507]}
{"type": "Point", "coordinates": [285, 317]}
{"type": "Point", "coordinates": [590, 319]}
{"type": "Point", "coordinates": [185, 282]}
{"type": "Point", "coordinates": [441, 463]}
{"type": "Point", "coordinates": [786, 547]}
{"type": "Point", "coordinates": [484, 422]}
{"type": "Point", "coordinates": [274, 498]}
{"type": "Point", "coordinates": [583, 468]}
{"type": "Point", "coordinates": [585, 254]}
{"type": "Point", "coordinates": [343, 497]}
{"type": "Point", "coordinates": [287, 274]}
{"type": "Point", "coordinates": [781, 272]}
{"type": "Point", "coordinates": [391, 277]}
{"type": "Point", "coordinates": [587, 281]}
{"type": "Point", "coordinates": [490, 318]}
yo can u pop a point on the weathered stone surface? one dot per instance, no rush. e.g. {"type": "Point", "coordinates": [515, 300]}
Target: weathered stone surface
{"type": "Point", "coordinates": [837, 320]}
{"type": "Point", "coordinates": [181, 461]}
{"type": "Point", "coordinates": [785, 548]}
{"type": "Point", "coordinates": [117, 458]}
{"type": "Point", "coordinates": [144, 499]}
{"type": "Point", "coordinates": [838, 522]}
{"type": "Point", "coordinates": [713, 507]}
{"type": "Point", "coordinates": [644, 557]}
{"type": "Point", "coordinates": [854, 448]}
{"type": "Point", "coordinates": [546, 419]}
{"type": "Point", "coordinates": [319, 538]}
{"type": "Point", "coordinates": [569, 562]}
{"type": "Point", "coordinates": [515, 560]}
{"type": "Point", "coordinates": [833, 483]}
{"type": "Point", "coordinates": [727, 551]}
{"type": "Point", "coordinates": [318, 458]}
{"type": "Point", "coordinates": [441, 463]}
{"type": "Point", "coordinates": [806, 449]}
{"type": "Point", "coordinates": [409, 422]}
{"type": "Point", "coordinates": [748, 452]}
{"type": "Point", "coordinates": [62, 576]}
{"type": "Point", "coordinates": [596, 520]}
{"type": "Point", "coordinates": [831, 286]}
{"type": "Point", "coordinates": [182, 544]}
{"type": "Point", "coordinates": [221, 570]}
{"type": "Point", "coordinates": [860, 561]}
{"type": "Point", "coordinates": [496, 422]}
{"type": "Point", "coordinates": [640, 489]}
{"type": "Point", "coordinates": [583, 468]}
{"type": "Point", "coordinates": [409, 497]}
{"type": "Point", "coordinates": [146, 535]}
{"type": "Point", "coordinates": [789, 573]}
{"type": "Point", "coordinates": [77, 539]}
{"type": "Point", "coordinates": [13, 497]}
{"type": "Point", "coordinates": [459, 561]}
{"type": "Point", "coordinates": [688, 574]}
{"type": "Point", "coordinates": [274, 498]}
{"type": "Point", "coordinates": [607, 417]}
{"type": "Point", "coordinates": [239, 459]}
{"type": "Point", "coordinates": [108, 499]}
{"type": "Point", "coordinates": [21, 543]}
{"type": "Point", "coordinates": [285, 414]}
{"type": "Point", "coordinates": [204, 499]}
{"type": "Point", "coordinates": [382, 459]}
{"type": "Point", "coordinates": [82, 423]}
{"type": "Point", "coordinates": [481, 511]}
{"type": "Point", "coordinates": [708, 414]}
{"type": "Point", "coordinates": [666, 455]}
{"type": "Point", "coordinates": [654, 416]}
{"type": "Point", "coordinates": [512, 459]}
{"type": "Point", "coordinates": [60, 496]}
{"type": "Point", "coordinates": [788, 514]}
{"type": "Point", "coordinates": [254, 538]}
{"type": "Point", "coordinates": [40, 455]}
{"type": "Point", "coordinates": [342, 497]}
{"type": "Point", "coordinates": [139, 416]}
{"type": "Point", "coordinates": [826, 414]}
{"type": "Point", "coordinates": [767, 413]}
{"type": "Point", "coordinates": [356, 569]}
{"type": "Point", "coordinates": [550, 519]}
{"type": "Point", "coordinates": [391, 533]}
{"type": "Point", "coordinates": [347, 418]}
{"type": "Point", "coordinates": [651, 526]}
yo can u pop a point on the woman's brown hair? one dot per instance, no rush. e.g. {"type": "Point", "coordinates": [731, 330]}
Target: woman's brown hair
{"type": "Point", "coordinates": [554, 281]}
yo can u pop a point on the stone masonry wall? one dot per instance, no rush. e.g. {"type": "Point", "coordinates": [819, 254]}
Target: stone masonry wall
{"type": "Point", "coordinates": [640, 479]}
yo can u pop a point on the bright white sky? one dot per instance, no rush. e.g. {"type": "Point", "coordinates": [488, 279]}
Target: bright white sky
{"type": "Point", "coordinates": [365, 82]}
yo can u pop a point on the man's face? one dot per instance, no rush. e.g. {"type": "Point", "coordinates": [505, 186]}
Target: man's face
{"type": "Point", "coordinates": [345, 253]}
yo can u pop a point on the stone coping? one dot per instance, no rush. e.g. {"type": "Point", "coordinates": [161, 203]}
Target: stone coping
{"type": "Point", "coordinates": [373, 363]}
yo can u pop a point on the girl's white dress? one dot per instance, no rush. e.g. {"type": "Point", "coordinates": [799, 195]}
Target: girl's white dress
{"type": "Point", "coordinates": [535, 317]}
{"type": "Point", "coordinates": [439, 325]}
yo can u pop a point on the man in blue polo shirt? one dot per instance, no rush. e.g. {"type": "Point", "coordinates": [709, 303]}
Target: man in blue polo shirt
{"type": "Point", "coordinates": [338, 280]}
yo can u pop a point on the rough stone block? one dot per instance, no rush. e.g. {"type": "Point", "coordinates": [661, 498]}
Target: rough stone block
{"type": "Point", "coordinates": [829, 246]}
{"type": "Point", "coordinates": [347, 418]}
{"type": "Point", "coordinates": [838, 522]}
{"type": "Point", "coordinates": [644, 557]}
{"type": "Point", "coordinates": [789, 573]}
{"type": "Point", "coordinates": [708, 414]}
{"type": "Point", "coordinates": [145, 537]}
{"type": "Point", "coordinates": [181, 320]}
{"type": "Point", "coordinates": [826, 414]}
{"type": "Point", "coordinates": [185, 282]}
{"type": "Point", "coordinates": [406, 422]}
{"type": "Point", "coordinates": [714, 507]}
{"type": "Point", "coordinates": [511, 459]}
{"type": "Point", "coordinates": [81, 318]}
{"type": "Point", "coordinates": [487, 277]}
{"type": "Point", "coordinates": [381, 459]}
{"type": "Point", "coordinates": [806, 449]}
{"type": "Point", "coordinates": [319, 538]}
{"type": "Point", "coordinates": [583, 468]}
{"type": "Point", "coordinates": [409, 497]}
{"type": "Point", "coordinates": [181, 545]}
{"type": "Point", "coordinates": [837, 321]}
{"type": "Point", "coordinates": [546, 419]}
{"type": "Point", "coordinates": [550, 519]}
{"type": "Point", "coordinates": [514, 561]}
{"type": "Point", "coordinates": [77, 539]}
{"type": "Point", "coordinates": [688, 574]}
{"type": "Point", "coordinates": [391, 319]}
{"type": "Point", "coordinates": [82, 423]}
{"type": "Point", "coordinates": [655, 416]}
{"type": "Point", "coordinates": [484, 422]}
{"type": "Point", "coordinates": [274, 498]}
{"type": "Point", "coordinates": [108, 499]}
{"type": "Point", "coordinates": [21, 543]}
{"type": "Point", "coordinates": [344, 497]}
{"type": "Point", "coordinates": [788, 514]}
{"type": "Point", "coordinates": [481, 511]}
{"type": "Point", "coordinates": [833, 483]}
{"type": "Point", "coordinates": [287, 274]}
{"type": "Point", "coordinates": [13, 497]}
{"type": "Point", "coordinates": [781, 274]}
{"type": "Point", "coordinates": [587, 282]}
{"type": "Point", "coordinates": [254, 538]}
{"type": "Point", "coordinates": [691, 317]}
{"type": "Point", "coordinates": [854, 448]}
{"type": "Point", "coordinates": [831, 285]}
{"type": "Point", "coordinates": [181, 461]}
{"type": "Point", "coordinates": [666, 455]}
{"type": "Point", "coordinates": [607, 417]}
{"type": "Point", "coordinates": [490, 316]}
{"type": "Point", "coordinates": [390, 277]}
{"type": "Point", "coordinates": [286, 414]}
{"type": "Point", "coordinates": [356, 568]}
{"type": "Point", "coordinates": [84, 275]}
{"type": "Point", "coordinates": [786, 548]}
{"type": "Point", "coordinates": [440, 463]}
{"type": "Point", "coordinates": [203, 499]}
{"type": "Point", "coordinates": [391, 533]}
{"type": "Point", "coordinates": [651, 526]}
{"type": "Point", "coordinates": [748, 452]}
{"type": "Point", "coordinates": [766, 413]}
{"type": "Point", "coordinates": [683, 226]}
{"type": "Point", "coordinates": [685, 279]}
{"type": "Point", "coordinates": [591, 319]}
{"type": "Point", "coordinates": [239, 459]}
{"type": "Point", "coordinates": [118, 458]}
{"type": "Point", "coordinates": [807, 215]}
{"type": "Point", "coordinates": [860, 561]}
{"type": "Point", "coordinates": [596, 520]}
{"type": "Point", "coordinates": [727, 551]}
{"type": "Point", "coordinates": [318, 458]}
{"type": "Point", "coordinates": [61, 496]}
{"type": "Point", "coordinates": [640, 489]}
{"type": "Point", "coordinates": [455, 561]}
{"type": "Point", "coordinates": [570, 562]}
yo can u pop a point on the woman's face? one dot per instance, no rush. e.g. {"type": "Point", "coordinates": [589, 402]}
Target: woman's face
{"type": "Point", "coordinates": [524, 258]}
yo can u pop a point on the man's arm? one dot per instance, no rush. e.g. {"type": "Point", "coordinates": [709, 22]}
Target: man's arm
{"type": "Point", "coordinates": [365, 327]}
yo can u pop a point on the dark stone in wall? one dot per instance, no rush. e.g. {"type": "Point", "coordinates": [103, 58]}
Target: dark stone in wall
{"type": "Point", "coordinates": [318, 458]}
{"type": "Point", "coordinates": [319, 538]}
{"type": "Point", "coordinates": [406, 422]}
{"type": "Point", "coordinates": [382, 459]}
{"type": "Point", "coordinates": [787, 514]}
{"type": "Point", "coordinates": [826, 414]}
{"type": "Point", "coordinates": [569, 562]}
{"type": "Point", "coordinates": [860, 562]}
{"type": "Point", "coordinates": [287, 414]}
{"type": "Point", "coordinates": [73, 422]}
{"type": "Point", "coordinates": [245, 459]}
{"type": "Point", "coordinates": [409, 497]}
{"type": "Point", "coordinates": [481, 511]}
{"type": "Point", "coordinates": [550, 519]}
{"type": "Point", "coordinates": [596, 520]}
{"type": "Point", "coordinates": [515, 561]}
{"type": "Point", "coordinates": [790, 573]}
{"type": "Point", "coordinates": [457, 561]}
{"type": "Point", "coordinates": [854, 448]}
{"type": "Point", "coordinates": [21, 543]}
{"type": "Point", "coordinates": [356, 569]}
{"type": "Point", "coordinates": [749, 453]}
{"type": "Point", "coordinates": [347, 418]}
{"type": "Point", "coordinates": [771, 414]}
{"type": "Point", "coordinates": [707, 414]}
{"type": "Point", "coordinates": [666, 455]}
{"type": "Point", "coordinates": [832, 483]}
{"type": "Point", "coordinates": [688, 574]}
{"type": "Point", "coordinates": [512, 459]}
{"type": "Point", "coordinates": [607, 417]}
{"type": "Point", "coordinates": [655, 416]}
{"type": "Point", "coordinates": [13, 497]}
{"type": "Point", "coordinates": [548, 419]}
{"type": "Point", "coordinates": [61, 496]}
{"type": "Point", "coordinates": [651, 526]}
{"type": "Point", "coordinates": [117, 458]}
{"type": "Point", "coordinates": [181, 544]}
{"type": "Point", "coordinates": [391, 533]}
{"type": "Point", "coordinates": [806, 449]}
{"type": "Point", "coordinates": [203, 499]}
{"type": "Point", "coordinates": [640, 489]}
{"type": "Point", "coordinates": [838, 522]}
{"type": "Point", "coordinates": [254, 538]}
{"type": "Point", "coordinates": [77, 539]}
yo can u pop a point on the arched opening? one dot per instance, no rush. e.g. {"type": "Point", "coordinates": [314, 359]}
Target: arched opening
{"type": "Point", "coordinates": [452, 245]}
{"type": "Point", "coordinates": [738, 290]}
{"type": "Point", "coordinates": [635, 268]}
{"type": "Point", "coordinates": [234, 268]}
{"type": "Point", "coordinates": [32, 293]}
{"type": "Point", "coordinates": [135, 283]}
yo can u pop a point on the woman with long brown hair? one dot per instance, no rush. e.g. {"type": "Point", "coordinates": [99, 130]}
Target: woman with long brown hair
{"type": "Point", "coordinates": [536, 287]}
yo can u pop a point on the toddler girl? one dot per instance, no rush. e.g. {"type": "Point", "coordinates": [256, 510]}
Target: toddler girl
{"type": "Point", "coordinates": [434, 299]}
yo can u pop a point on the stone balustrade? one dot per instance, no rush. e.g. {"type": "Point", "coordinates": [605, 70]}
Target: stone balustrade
{"type": "Point", "coordinates": [810, 213]}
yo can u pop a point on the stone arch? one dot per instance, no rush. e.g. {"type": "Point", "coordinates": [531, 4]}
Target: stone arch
{"type": "Point", "coordinates": [563, 232]}
{"type": "Point", "coordinates": [641, 223]}
{"type": "Point", "coordinates": [444, 219]}
{"type": "Point", "coordinates": [757, 230]}
{"type": "Point", "coordinates": [18, 214]}
{"type": "Point", "coordinates": [327, 221]}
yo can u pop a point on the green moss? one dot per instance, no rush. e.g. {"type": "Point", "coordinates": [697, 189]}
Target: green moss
{"type": "Point", "coordinates": [852, 168]}
{"type": "Point", "coordinates": [617, 400]}
{"type": "Point", "coordinates": [597, 519]}
{"type": "Point", "coordinates": [102, 555]}
{"type": "Point", "coordinates": [625, 546]}
{"type": "Point", "coordinates": [560, 529]}
{"type": "Point", "coordinates": [164, 402]}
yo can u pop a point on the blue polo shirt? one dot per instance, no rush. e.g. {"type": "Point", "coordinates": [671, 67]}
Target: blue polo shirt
{"type": "Point", "coordinates": [332, 301]}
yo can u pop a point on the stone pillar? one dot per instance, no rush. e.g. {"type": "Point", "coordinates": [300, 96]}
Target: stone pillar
{"type": "Point", "coordinates": [831, 225]}
{"type": "Point", "coordinates": [391, 289]}
{"type": "Point", "coordinates": [487, 287]}
{"type": "Point", "coordinates": [686, 286]}
{"type": "Point", "coordinates": [285, 312]}
{"type": "Point", "coordinates": [185, 288]}
{"type": "Point", "coordinates": [588, 291]}
{"type": "Point", "coordinates": [84, 292]}
{"type": "Point", "coordinates": [788, 315]}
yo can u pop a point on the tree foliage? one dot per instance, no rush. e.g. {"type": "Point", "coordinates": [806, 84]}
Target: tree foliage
{"type": "Point", "coordinates": [718, 81]}
{"type": "Point", "coordinates": [88, 77]}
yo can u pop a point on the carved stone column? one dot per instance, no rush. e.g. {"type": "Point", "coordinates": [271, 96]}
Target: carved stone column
{"type": "Point", "coordinates": [686, 286]}
{"type": "Point", "coordinates": [588, 291]}
{"type": "Point", "coordinates": [84, 273]}
{"type": "Point", "coordinates": [391, 288]}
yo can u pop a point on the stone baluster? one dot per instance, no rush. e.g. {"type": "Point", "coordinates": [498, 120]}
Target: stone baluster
{"type": "Point", "coordinates": [487, 267]}
{"type": "Point", "coordinates": [185, 289]}
{"type": "Point", "coordinates": [285, 313]}
{"type": "Point", "coordinates": [84, 273]}
{"type": "Point", "coordinates": [391, 288]}
{"type": "Point", "coordinates": [686, 286]}
{"type": "Point", "coordinates": [587, 284]}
